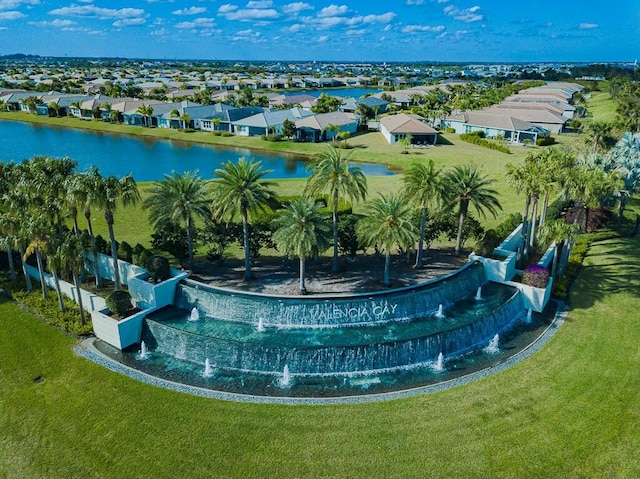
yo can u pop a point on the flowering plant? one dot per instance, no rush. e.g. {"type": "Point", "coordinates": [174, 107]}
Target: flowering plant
{"type": "Point", "coordinates": [536, 275]}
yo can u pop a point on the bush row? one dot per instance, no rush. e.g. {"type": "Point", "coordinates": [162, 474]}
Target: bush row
{"type": "Point", "coordinates": [477, 139]}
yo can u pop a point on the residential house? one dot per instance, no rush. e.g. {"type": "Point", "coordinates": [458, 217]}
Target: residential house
{"type": "Point", "coordinates": [396, 128]}
{"type": "Point", "coordinates": [493, 125]}
{"type": "Point", "coordinates": [316, 128]}
{"type": "Point", "coordinates": [554, 122]}
{"type": "Point", "coordinates": [268, 121]}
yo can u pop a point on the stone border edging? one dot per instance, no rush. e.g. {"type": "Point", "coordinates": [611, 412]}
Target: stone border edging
{"type": "Point", "coordinates": [87, 350]}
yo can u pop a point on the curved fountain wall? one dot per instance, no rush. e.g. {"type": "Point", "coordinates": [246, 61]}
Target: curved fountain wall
{"type": "Point", "coordinates": [365, 349]}
{"type": "Point", "coordinates": [330, 311]}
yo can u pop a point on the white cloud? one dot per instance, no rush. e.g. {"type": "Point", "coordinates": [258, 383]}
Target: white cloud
{"type": "Point", "coordinates": [11, 15]}
{"type": "Point", "coordinates": [295, 28]}
{"type": "Point", "coordinates": [162, 32]}
{"type": "Point", "coordinates": [56, 23]}
{"type": "Point", "coordinates": [226, 8]}
{"type": "Point", "coordinates": [323, 38]}
{"type": "Point", "coordinates": [296, 7]}
{"type": "Point", "coordinates": [197, 23]}
{"type": "Point", "coordinates": [260, 4]}
{"type": "Point", "coordinates": [249, 14]}
{"type": "Point", "coordinates": [466, 15]}
{"type": "Point", "coordinates": [588, 26]}
{"type": "Point", "coordinates": [128, 22]}
{"type": "Point", "coordinates": [383, 18]}
{"type": "Point", "coordinates": [423, 28]}
{"type": "Point", "coordinates": [415, 2]}
{"type": "Point", "coordinates": [8, 4]}
{"type": "Point", "coordinates": [97, 12]}
{"type": "Point", "coordinates": [333, 10]}
{"type": "Point", "coordinates": [190, 11]}
{"type": "Point", "coordinates": [356, 33]}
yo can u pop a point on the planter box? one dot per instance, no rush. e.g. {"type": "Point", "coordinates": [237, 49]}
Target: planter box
{"type": "Point", "coordinates": [118, 333]}
{"type": "Point", "coordinates": [495, 269]}
{"type": "Point", "coordinates": [154, 295]}
{"type": "Point", "coordinates": [533, 298]}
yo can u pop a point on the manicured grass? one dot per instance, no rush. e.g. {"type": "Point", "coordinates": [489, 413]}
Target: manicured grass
{"type": "Point", "coordinates": [570, 410]}
{"type": "Point", "coordinates": [601, 107]}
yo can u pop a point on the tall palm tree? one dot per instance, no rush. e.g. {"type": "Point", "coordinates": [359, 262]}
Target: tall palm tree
{"type": "Point", "coordinates": [38, 230]}
{"type": "Point", "coordinates": [71, 256]}
{"type": "Point", "coordinates": [56, 266]}
{"type": "Point", "coordinates": [467, 186]}
{"type": "Point", "coordinates": [558, 231]}
{"type": "Point", "coordinates": [387, 223]}
{"type": "Point", "coordinates": [422, 185]}
{"type": "Point", "coordinates": [146, 111]}
{"type": "Point", "coordinates": [241, 190]}
{"type": "Point", "coordinates": [109, 192]}
{"type": "Point", "coordinates": [81, 193]}
{"type": "Point", "coordinates": [303, 231]}
{"type": "Point", "coordinates": [331, 173]}
{"type": "Point", "coordinates": [175, 113]}
{"type": "Point", "coordinates": [179, 198]}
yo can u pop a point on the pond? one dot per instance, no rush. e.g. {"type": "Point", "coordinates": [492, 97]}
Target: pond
{"type": "Point", "coordinates": [146, 158]}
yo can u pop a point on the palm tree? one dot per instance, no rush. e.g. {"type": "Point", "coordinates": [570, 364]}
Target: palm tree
{"type": "Point", "coordinates": [240, 190]}
{"type": "Point", "coordinates": [387, 223]}
{"type": "Point", "coordinates": [81, 192]}
{"type": "Point", "coordinates": [331, 173]}
{"type": "Point", "coordinates": [599, 133]}
{"type": "Point", "coordinates": [179, 198]}
{"type": "Point", "coordinates": [146, 111]}
{"type": "Point", "coordinates": [56, 266]}
{"type": "Point", "coordinates": [186, 120]}
{"type": "Point", "coordinates": [559, 232]}
{"type": "Point", "coordinates": [302, 231]}
{"type": "Point", "coordinates": [38, 230]}
{"type": "Point", "coordinates": [467, 186]}
{"type": "Point", "coordinates": [175, 113]}
{"type": "Point", "coordinates": [109, 192]}
{"type": "Point", "coordinates": [422, 185]}
{"type": "Point", "coordinates": [71, 255]}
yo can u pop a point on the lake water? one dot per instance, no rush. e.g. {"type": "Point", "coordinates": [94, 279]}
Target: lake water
{"type": "Point", "coordinates": [147, 159]}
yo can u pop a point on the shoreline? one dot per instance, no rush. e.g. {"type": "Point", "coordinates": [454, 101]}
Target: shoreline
{"type": "Point", "coordinates": [197, 137]}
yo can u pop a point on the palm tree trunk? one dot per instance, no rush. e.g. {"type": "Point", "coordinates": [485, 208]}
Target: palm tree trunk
{"type": "Point", "coordinates": [190, 244]}
{"type": "Point", "coordinates": [586, 218]}
{"type": "Point", "coordinates": [534, 219]}
{"type": "Point", "coordinates": [114, 257]}
{"type": "Point", "coordinates": [56, 282]}
{"type": "Point", "coordinates": [545, 205]}
{"type": "Point", "coordinates": [423, 227]}
{"type": "Point", "coordinates": [387, 267]}
{"type": "Point", "coordinates": [303, 288]}
{"type": "Point", "coordinates": [247, 260]}
{"type": "Point", "coordinates": [335, 267]}
{"type": "Point", "coordinates": [96, 266]}
{"type": "Point", "coordinates": [12, 267]}
{"type": "Point", "coordinates": [76, 281]}
{"type": "Point", "coordinates": [556, 255]}
{"type": "Point", "coordinates": [27, 278]}
{"type": "Point", "coordinates": [463, 217]}
{"type": "Point", "coordinates": [523, 232]}
{"type": "Point", "coordinates": [43, 284]}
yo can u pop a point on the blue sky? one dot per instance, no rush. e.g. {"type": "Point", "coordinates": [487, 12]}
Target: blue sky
{"type": "Point", "coordinates": [361, 30]}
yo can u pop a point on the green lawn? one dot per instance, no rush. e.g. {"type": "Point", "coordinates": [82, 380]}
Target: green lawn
{"type": "Point", "coordinates": [571, 410]}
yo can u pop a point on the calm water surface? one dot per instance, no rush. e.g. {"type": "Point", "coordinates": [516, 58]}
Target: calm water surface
{"type": "Point", "coordinates": [147, 159]}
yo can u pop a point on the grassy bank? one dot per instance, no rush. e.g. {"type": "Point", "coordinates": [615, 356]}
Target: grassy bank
{"type": "Point", "coordinates": [570, 410]}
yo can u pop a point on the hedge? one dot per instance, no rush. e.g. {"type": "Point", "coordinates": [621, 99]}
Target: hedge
{"type": "Point", "coordinates": [477, 140]}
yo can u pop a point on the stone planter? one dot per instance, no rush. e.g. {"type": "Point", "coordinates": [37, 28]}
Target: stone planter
{"type": "Point", "coordinates": [495, 269]}
{"type": "Point", "coordinates": [119, 333]}
{"type": "Point", "coordinates": [145, 294]}
{"type": "Point", "coordinates": [533, 298]}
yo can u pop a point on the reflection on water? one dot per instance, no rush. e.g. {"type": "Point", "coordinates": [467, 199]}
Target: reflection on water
{"type": "Point", "coordinates": [148, 159]}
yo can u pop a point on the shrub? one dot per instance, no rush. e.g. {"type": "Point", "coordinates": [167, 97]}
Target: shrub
{"type": "Point", "coordinates": [272, 137]}
{"type": "Point", "coordinates": [546, 141]}
{"type": "Point", "coordinates": [125, 252]}
{"type": "Point", "coordinates": [449, 130]}
{"type": "Point", "coordinates": [536, 275]}
{"type": "Point", "coordinates": [505, 228]}
{"type": "Point", "coordinates": [102, 245]}
{"type": "Point", "coordinates": [478, 140]}
{"type": "Point", "coordinates": [488, 242]}
{"type": "Point", "coordinates": [118, 302]}
{"type": "Point", "coordinates": [49, 311]}
{"type": "Point", "coordinates": [158, 267]}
